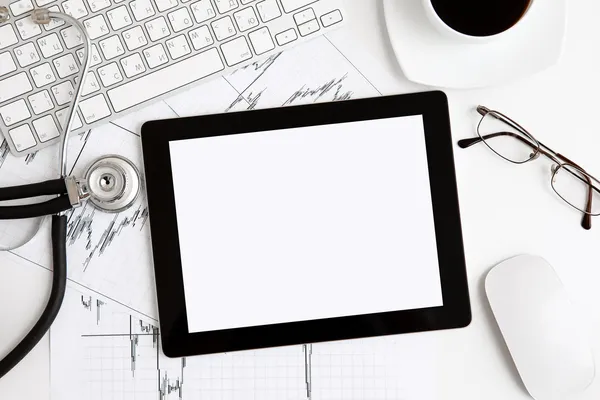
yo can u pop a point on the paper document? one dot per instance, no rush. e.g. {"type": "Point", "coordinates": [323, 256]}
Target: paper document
{"type": "Point", "coordinates": [105, 342]}
{"type": "Point", "coordinates": [104, 351]}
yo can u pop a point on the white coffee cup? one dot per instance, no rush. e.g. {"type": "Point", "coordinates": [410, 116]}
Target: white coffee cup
{"type": "Point", "coordinates": [449, 32]}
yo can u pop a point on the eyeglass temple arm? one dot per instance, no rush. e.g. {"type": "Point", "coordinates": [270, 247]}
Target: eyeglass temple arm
{"type": "Point", "coordinates": [465, 143]}
{"type": "Point", "coordinates": [586, 221]}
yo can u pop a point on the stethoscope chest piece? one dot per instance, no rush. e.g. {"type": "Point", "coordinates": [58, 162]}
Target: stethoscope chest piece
{"type": "Point", "coordinates": [113, 183]}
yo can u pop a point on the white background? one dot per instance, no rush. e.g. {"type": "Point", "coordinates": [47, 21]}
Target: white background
{"type": "Point", "coordinates": [505, 209]}
{"type": "Point", "coordinates": [305, 223]}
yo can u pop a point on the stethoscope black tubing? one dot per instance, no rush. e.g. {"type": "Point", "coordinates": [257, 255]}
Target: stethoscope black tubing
{"type": "Point", "coordinates": [53, 186]}
{"type": "Point", "coordinates": [50, 207]}
{"type": "Point", "coordinates": [57, 293]}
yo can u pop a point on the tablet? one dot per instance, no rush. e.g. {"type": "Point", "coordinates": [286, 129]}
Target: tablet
{"type": "Point", "coordinates": [305, 224]}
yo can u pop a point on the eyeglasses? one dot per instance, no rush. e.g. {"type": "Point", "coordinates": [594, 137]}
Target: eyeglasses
{"type": "Point", "coordinates": [511, 141]}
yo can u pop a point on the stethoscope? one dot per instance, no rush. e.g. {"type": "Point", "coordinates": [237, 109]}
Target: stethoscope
{"type": "Point", "coordinates": [111, 183]}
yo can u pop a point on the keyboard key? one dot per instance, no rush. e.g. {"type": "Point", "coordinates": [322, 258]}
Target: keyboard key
{"type": "Point", "coordinates": [226, 5]}
{"type": "Point", "coordinates": [268, 10]}
{"type": "Point", "coordinates": [22, 137]}
{"type": "Point", "coordinates": [180, 19]}
{"type": "Point", "coordinates": [202, 10]}
{"type": "Point", "coordinates": [45, 128]}
{"type": "Point", "coordinates": [97, 5]}
{"type": "Point", "coordinates": [261, 40]}
{"type": "Point", "coordinates": [14, 86]}
{"type": "Point", "coordinates": [96, 27]}
{"type": "Point", "coordinates": [201, 37]}
{"type": "Point", "coordinates": [95, 57]}
{"type": "Point", "coordinates": [14, 112]}
{"type": "Point", "coordinates": [50, 45]}
{"type": "Point", "coordinates": [164, 5]}
{"type": "Point", "coordinates": [165, 80]}
{"type": "Point", "coordinates": [135, 38]}
{"type": "Point", "coordinates": [40, 102]}
{"type": "Point", "coordinates": [293, 5]}
{"type": "Point", "coordinates": [7, 65]}
{"type": "Point", "coordinates": [110, 74]}
{"type": "Point", "coordinates": [156, 56]}
{"type": "Point", "coordinates": [308, 28]}
{"type": "Point", "coordinates": [331, 18]}
{"type": "Point", "coordinates": [71, 37]}
{"type": "Point", "coordinates": [119, 18]}
{"type": "Point", "coordinates": [157, 29]}
{"type": "Point", "coordinates": [42, 75]}
{"type": "Point", "coordinates": [63, 93]}
{"type": "Point", "coordinates": [7, 36]}
{"type": "Point", "coordinates": [112, 47]}
{"type": "Point", "coordinates": [66, 66]}
{"type": "Point", "coordinates": [54, 22]}
{"type": "Point", "coordinates": [304, 16]}
{"type": "Point", "coordinates": [178, 47]}
{"type": "Point", "coordinates": [90, 85]}
{"type": "Point", "coordinates": [62, 115]}
{"type": "Point", "coordinates": [94, 109]}
{"type": "Point", "coordinates": [21, 7]}
{"type": "Point", "coordinates": [27, 55]}
{"type": "Point", "coordinates": [133, 65]}
{"type": "Point", "coordinates": [75, 8]}
{"type": "Point", "coordinates": [247, 1]}
{"type": "Point", "coordinates": [42, 3]}
{"type": "Point", "coordinates": [27, 28]}
{"type": "Point", "coordinates": [286, 37]}
{"type": "Point", "coordinates": [236, 51]}
{"type": "Point", "coordinates": [223, 28]}
{"type": "Point", "coordinates": [142, 9]}
{"type": "Point", "coordinates": [245, 19]}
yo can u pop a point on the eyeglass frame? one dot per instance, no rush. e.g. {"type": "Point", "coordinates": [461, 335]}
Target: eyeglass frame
{"type": "Point", "coordinates": [538, 148]}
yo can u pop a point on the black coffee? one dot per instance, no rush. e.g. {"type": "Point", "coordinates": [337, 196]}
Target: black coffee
{"type": "Point", "coordinates": [480, 17]}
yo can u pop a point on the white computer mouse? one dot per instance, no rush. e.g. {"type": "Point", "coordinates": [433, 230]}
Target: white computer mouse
{"type": "Point", "coordinates": [540, 328]}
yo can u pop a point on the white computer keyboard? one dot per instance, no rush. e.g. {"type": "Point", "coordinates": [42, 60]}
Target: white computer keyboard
{"type": "Point", "coordinates": [143, 50]}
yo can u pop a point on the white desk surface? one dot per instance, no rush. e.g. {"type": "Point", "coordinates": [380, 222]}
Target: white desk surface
{"type": "Point", "coordinates": [506, 210]}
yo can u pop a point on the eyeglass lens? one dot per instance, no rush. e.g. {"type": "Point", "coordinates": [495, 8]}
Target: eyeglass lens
{"type": "Point", "coordinates": [506, 139]}
{"type": "Point", "coordinates": [577, 188]}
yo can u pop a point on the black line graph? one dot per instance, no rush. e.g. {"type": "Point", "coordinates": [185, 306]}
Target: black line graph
{"type": "Point", "coordinates": [81, 227]}
{"type": "Point", "coordinates": [86, 301]}
{"type": "Point", "coordinates": [314, 94]}
{"type": "Point", "coordinates": [307, 348]}
{"type": "Point", "coordinates": [168, 385]}
{"type": "Point", "coordinates": [99, 304]}
{"type": "Point", "coordinates": [4, 152]}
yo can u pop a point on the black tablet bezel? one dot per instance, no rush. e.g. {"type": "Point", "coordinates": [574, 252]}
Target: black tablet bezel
{"type": "Point", "coordinates": [177, 341]}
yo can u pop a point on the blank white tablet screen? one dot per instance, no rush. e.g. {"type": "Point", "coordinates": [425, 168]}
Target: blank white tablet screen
{"type": "Point", "coordinates": [305, 223]}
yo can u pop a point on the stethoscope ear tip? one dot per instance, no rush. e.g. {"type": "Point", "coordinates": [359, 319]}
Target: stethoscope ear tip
{"type": "Point", "coordinates": [113, 183]}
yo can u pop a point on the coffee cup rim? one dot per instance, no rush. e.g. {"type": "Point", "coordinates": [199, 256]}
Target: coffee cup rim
{"type": "Point", "coordinates": [441, 23]}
